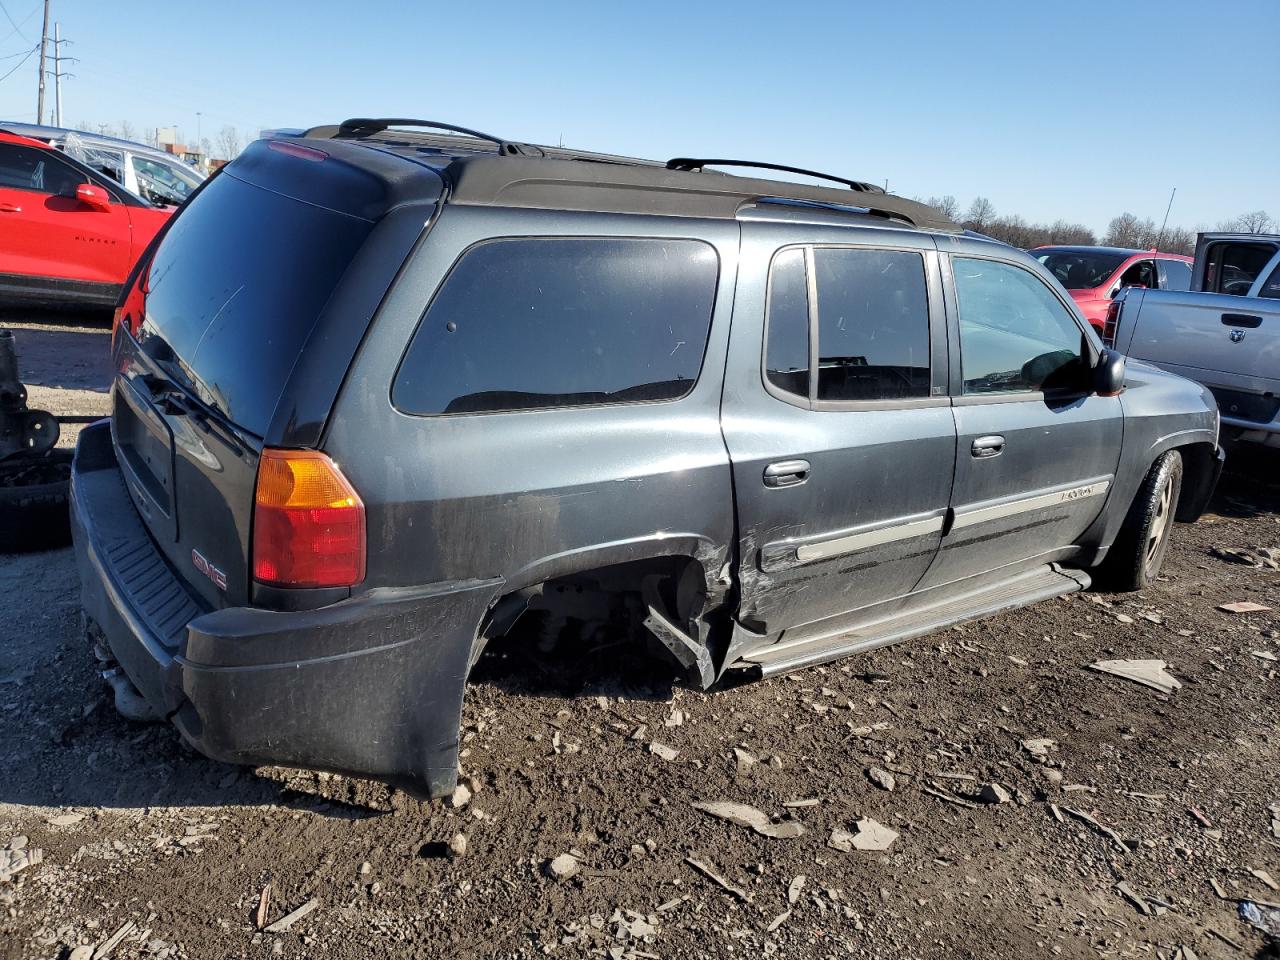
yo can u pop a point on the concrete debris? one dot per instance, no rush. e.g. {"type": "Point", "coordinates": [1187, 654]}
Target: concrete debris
{"type": "Point", "coordinates": [1039, 747]}
{"type": "Point", "coordinates": [461, 796]}
{"type": "Point", "coordinates": [995, 793]}
{"type": "Point", "coordinates": [747, 816]}
{"type": "Point", "coordinates": [676, 719]}
{"type": "Point", "coordinates": [1265, 878]}
{"type": "Point", "coordinates": [13, 862]}
{"type": "Point", "coordinates": [778, 921]}
{"type": "Point", "coordinates": [663, 751]}
{"type": "Point", "coordinates": [82, 952]}
{"type": "Point", "coordinates": [744, 761]}
{"type": "Point", "coordinates": [869, 835]}
{"type": "Point", "coordinates": [1149, 673]}
{"type": "Point", "coordinates": [1263, 919]}
{"type": "Point", "coordinates": [1134, 898]}
{"type": "Point", "coordinates": [66, 819]}
{"type": "Point", "coordinates": [563, 867]}
{"type": "Point", "coordinates": [1123, 618]}
{"type": "Point", "coordinates": [709, 872]}
{"type": "Point", "coordinates": [630, 925]}
{"type": "Point", "coordinates": [458, 845]}
{"type": "Point", "coordinates": [804, 802]}
{"type": "Point", "coordinates": [1265, 655]}
{"type": "Point", "coordinates": [289, 919]}
{"type": "Point", "coordinates": [104, 949]}
{"type": "Point", "coordinates": [795, 888]}
{"type": "Point", "coordinates": [1243, 606]}
{"type": "Point", "coordinates": [1185, 953]}
{"type": "Point", "coordinates": [882, 778]}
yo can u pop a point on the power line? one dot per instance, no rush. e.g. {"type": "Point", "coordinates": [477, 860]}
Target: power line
{"type": "Point", "coordinates": [30, 54]}
{"type": "Point", "coordinates": [10, 56]}
{"type": "Point", "coordinates": [16, 29]}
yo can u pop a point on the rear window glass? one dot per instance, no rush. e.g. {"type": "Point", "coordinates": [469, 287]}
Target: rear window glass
{"type": "Point", "coordinates": [553, 322]}
{"type": "Point", "coordinates": [787, 354]}
{"type": "Point", "coordinates": [1177, 274]}
{"type": "Point", "coordinates": [235, 289]}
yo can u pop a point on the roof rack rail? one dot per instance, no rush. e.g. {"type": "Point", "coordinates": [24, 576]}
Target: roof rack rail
{"type": "Point", "coordinates": [369, 126]}
{"type": "Point", "coordinates": [697, 163]}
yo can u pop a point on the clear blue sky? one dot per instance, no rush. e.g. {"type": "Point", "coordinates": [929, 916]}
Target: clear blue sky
{"type": "Point", "coordinates": [1078, 110]}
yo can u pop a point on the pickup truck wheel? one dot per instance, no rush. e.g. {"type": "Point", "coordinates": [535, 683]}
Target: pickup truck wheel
{"type": "Point", "coordinates": [1136, 556]}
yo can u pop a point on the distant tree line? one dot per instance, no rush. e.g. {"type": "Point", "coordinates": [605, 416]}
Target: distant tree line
{"type": "Point", "coordinates": [1126, 230]}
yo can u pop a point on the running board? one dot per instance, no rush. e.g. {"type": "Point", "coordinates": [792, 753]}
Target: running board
{"type": "Point", "coordinates": [1026, 588]}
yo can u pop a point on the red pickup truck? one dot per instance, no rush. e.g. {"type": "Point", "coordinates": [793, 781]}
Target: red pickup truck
{"type": "Point", "coordinates": [1094, 275]}
{"type": "Point", "coordinates": [68, 234]}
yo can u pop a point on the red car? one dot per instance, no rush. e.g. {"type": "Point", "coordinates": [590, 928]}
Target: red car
{"type": "Point", "coordinates": [1094, 275]}
{"type": "Point", "coordinates": [68, 234]}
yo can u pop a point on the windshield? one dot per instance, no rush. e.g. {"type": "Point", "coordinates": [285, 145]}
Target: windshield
{"type": "Point", "coordinates": [1080, 269]}
{"type": "Point", "coordinates": [167, 183]}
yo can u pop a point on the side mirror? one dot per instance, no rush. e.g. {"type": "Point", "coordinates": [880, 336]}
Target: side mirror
{"type": "Point", "coordinates": [93, 196]}
{"type": "Point", "coordinates": [1108, 373]}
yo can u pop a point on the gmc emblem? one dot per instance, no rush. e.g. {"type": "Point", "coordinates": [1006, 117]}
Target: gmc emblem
{"type": "Point", "coordinates": [209, 570]}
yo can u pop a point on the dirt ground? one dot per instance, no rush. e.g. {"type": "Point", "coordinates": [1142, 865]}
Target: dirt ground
{"type": "Point", "coordinates": [1144, 820]}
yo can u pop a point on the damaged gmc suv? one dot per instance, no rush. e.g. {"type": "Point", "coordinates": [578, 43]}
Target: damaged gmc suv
{"type": "Point", "coordinates": [384, 388]}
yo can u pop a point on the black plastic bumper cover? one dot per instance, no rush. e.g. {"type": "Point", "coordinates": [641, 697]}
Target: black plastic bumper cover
{"type": "Point", "coordinates": [371, 686]}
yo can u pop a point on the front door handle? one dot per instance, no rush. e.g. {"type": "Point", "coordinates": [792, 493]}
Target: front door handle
{"type": "Point", "coordinates": [1241, 320]}
{"type": "Point", "coordinates": [985, 447]}
{"type": "Point", "coordinates": [786, 473]}
{"type": "Point", "coordinates": [9, 208]}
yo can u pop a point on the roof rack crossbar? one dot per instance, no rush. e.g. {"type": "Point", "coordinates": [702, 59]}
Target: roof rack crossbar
{"type": "Point", "coordinates": [697, 163]}
{"type": "Point", "coordinates": [368, 126]}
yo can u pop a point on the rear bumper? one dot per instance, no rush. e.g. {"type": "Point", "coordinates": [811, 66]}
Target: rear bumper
{"type": "Point", "coordinates": [371, 686]}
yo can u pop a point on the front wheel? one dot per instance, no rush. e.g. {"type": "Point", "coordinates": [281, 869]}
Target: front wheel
{"type": "Point", "coordinates": [1134, 560]}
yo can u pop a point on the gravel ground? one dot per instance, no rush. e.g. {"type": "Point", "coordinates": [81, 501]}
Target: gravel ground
{"type": "Point", "coordinates": [1132, 823]}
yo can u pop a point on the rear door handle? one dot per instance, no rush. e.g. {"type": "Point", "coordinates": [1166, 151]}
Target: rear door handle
{"type": "Point", "coordinates": [9, 208]}
{"type": "Point", "coordinates": [985, 447]}
{"type": "Point", "coordinates": [1241, 320]}
{"type": "Point", "coordinates": [786, 473]}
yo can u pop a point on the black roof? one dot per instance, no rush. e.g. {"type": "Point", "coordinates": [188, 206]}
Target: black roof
{"type": "Point", "coordinates": [1085, 248]}
{"type": "Point", "coordinates": [482, 170]}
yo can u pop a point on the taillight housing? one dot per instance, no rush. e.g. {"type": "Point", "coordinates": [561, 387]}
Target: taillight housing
{"type": "Point", "coordinates": [1110, 324]}
{"type": "Point", "coordinates": [308, 522]}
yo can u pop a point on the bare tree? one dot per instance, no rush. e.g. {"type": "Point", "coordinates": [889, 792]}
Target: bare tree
{"type": "Point", "coordinates": [1127, 230]}
{"type": "Point", "coordinates": [84, 126]}
{"type": "Point", "coordinates": [948, 206]}
{"type": "Point", "coordinates": [1256, 222]}
{"type": "Point", "coordinates": [126, 130]}
{"type": "Point", "coordinates": [981, 213]}
{"type": "Point", "coordinates": [229, 142]}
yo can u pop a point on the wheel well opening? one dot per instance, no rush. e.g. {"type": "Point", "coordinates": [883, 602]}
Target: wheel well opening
{"type": "Point", "coordinates": [1198, 471]}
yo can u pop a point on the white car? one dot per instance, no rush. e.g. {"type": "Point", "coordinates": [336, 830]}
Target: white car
{"type": "Point", "coordinates": [152, 174]}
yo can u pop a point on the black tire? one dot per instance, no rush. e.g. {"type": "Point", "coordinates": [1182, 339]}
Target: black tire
{"type": "Point", "coordinates": [1134, 560]}
{"type": "Point", "coordinates": [33, 504]}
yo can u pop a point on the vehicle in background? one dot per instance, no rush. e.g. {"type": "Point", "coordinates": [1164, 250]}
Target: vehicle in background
{"type": "Point", "coordinates": [152, 174]}
{"type": "Point", "coordinates": [1094, 275]}
{"type": "Point", "coordinates": [762, 424]}
{"type": "Point", "coordinates": [1224, 332]}
{"type": "Point", "coordinates": [69, 234]}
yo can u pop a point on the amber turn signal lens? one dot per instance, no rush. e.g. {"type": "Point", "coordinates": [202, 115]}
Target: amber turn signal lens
{"type": "Point", "coordinates": [308, 522]}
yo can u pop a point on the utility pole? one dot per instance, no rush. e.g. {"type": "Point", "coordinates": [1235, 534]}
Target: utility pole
{"type": "Point", "coordinates": [44, 42]}
{"type": "Point", "coordinates": [57, 73]}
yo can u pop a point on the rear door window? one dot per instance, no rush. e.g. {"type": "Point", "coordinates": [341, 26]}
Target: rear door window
{"type": "Point", "coordinates": [525, 323]}
{"type": "Point", "coordinates": [235, 289]}
{"type": "Point", "coordinates": [873, 324]}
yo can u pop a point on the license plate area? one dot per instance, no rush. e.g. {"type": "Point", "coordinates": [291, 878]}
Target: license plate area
{"type": "Point", "coordinates": [145, 444]}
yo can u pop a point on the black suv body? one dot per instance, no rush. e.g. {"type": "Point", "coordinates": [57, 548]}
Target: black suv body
{"type": "Point", "coordinates": [380, 393]}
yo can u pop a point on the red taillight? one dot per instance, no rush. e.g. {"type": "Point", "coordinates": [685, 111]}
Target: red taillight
{"type": "Point", "coordinates": [297, 150]}
{"type": "Point", "coordinates": [308, 522]}
{"type": "Point", "coordinates": [1109, 325]}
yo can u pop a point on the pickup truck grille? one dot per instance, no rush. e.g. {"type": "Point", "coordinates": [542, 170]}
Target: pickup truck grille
{"type": "Point", "coordinates": [1256, 407]}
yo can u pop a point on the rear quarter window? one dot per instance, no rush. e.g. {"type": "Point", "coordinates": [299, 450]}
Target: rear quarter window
{"type": "Point", "coordinates": [524, 323]}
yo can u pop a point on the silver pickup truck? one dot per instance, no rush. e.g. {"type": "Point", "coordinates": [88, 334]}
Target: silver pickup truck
{"type": "Point", "coordinates": [1224, 332]}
